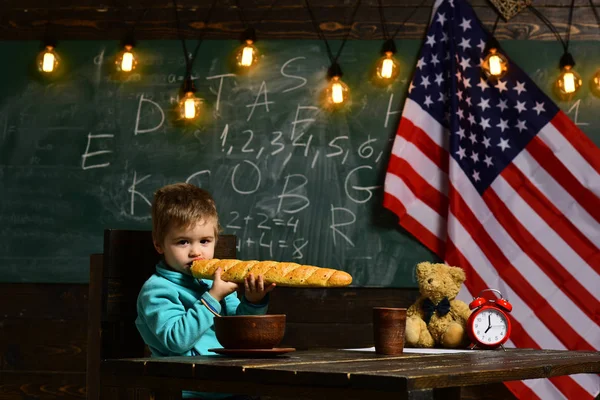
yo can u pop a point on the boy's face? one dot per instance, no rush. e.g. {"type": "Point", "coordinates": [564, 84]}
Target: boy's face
{"type": "Point", "coordinates": [184, 245]}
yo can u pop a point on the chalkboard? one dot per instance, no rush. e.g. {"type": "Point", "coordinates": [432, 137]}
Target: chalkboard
{"type": "Point", "coordinates": [295, 183]}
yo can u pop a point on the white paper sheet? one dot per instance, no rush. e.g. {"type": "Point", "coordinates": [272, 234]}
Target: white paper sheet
{"type": "Point", "coordinates": [421, 351]}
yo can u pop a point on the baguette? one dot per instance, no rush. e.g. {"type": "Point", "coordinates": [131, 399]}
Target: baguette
{"type": "Point", "coordinates": [281, 273]}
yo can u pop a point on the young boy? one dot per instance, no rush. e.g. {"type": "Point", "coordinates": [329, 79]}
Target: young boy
{"type": "Point", "coordinates": [173, 315]}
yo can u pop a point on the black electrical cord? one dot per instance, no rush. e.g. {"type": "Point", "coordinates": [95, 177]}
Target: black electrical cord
{"type": "Point", "coordinates": [190, 62]}
{"type": "Point", "coordinates": [569, 26]}
{"type": "Point", "coordinates": [138, 21]}
{"type": "Point", "coordinates": [386, 36]}
{"type": "Point", "coordinates": [595, 13]}
{"type": "Point", "coordinates": [321, 36]}
{"type": "Point", "coordinates": [549, 25]}
{"type": "Point", "coordinates": [407, 18]}
{"type": "Point", "coordinates": [258, 21]}
{"type": "Point", "coordinates": [495, 24]}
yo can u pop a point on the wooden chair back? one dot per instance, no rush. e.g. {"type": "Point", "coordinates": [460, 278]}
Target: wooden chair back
{"type": "Point", "coordinates": [116, 277]}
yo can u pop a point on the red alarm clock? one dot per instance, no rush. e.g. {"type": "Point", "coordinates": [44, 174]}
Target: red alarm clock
{"type": "Point", "coordinates": [489, 326]}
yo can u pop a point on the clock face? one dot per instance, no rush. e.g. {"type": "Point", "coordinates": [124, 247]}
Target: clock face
{"type": "Point", "coordinates": [490, 326]}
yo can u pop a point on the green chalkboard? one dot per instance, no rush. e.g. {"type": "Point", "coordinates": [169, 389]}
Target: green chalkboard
{"type": "Point", "coordinates": [87, 151]}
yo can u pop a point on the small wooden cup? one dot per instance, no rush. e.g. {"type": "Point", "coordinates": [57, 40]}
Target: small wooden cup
{"type": "Point", "coordinates": [388, 330]}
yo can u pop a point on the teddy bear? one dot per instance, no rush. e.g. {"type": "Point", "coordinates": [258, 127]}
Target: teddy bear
{"type": "Point", "coordinates": [437, 318]}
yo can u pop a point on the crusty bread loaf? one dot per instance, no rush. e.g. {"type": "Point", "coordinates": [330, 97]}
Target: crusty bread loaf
{"type": "Point", "coordinates": [282, 273]}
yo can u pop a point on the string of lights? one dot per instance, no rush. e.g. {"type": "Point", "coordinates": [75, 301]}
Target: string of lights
{"type": "Point", "coordinates": [247, 54]}
{"type": "Point", "coordinates": [337, 93]}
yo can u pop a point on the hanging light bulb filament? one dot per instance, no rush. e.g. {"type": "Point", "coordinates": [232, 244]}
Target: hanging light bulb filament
{"type": "Point", "coordinates": [189, 105]}
{"type": "Point", "coordinates": [337, 91]}
{"type": "Point", "coordinates": [387, 66]}
{"type": "Point", "coordinates": [127, 61]}
{"type": "Point", "coordinates": [495, 64]}
{"type": "Point", "coordinates": [247, 54]}
{"type": "Point", "coordinates": [48, 60]}
{"type": "Point", "coordinates": [569, 81]}
{"type": "Point", "coordinates": [48, 63]}
{"type": "Point", "coordinates": [596, 83]}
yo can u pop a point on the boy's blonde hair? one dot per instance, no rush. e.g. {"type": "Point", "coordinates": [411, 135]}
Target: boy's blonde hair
{"type": "Point", "coordinates": [181, 205]}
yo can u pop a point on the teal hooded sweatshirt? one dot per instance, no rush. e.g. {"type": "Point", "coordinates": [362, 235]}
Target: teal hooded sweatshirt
{"type": "Point", "coordinates": [173, 322]}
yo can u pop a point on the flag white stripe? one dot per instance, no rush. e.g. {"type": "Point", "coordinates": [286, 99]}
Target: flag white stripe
{"type": "Point", "coordinates": [559, 197]}
{"type": "Point", "coordinates": [436, 132]}
{"type": "Point", "coordinates": [426, 168]}
{"type": "Point", "coordinates": [420, 211]}
{"type": "Point", "coordinates": [551, 241]}
{"type": "Point", "coordinates": [570, 158]}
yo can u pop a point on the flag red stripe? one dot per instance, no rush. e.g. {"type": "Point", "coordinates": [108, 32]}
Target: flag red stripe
{"type": "Point", "coordinates": [519, 335]}
{"type": "Point", "coordinates": [570, 390]}
{"type": "Point", "coordinates": [413, 226]}
{"type": "Point", "coordinates": [419, 186]}
{"type": "Point", "coordinates": [547, 263]}
{"type": "Point", "coordinates": [553, 217]}
{"type": "Point", "coordinates": [581, 143]}
{"type": "Point", "coordinates": [521, 390]}
{"type": "Point", "coordinates": [419, 138]}
{"type": "Point", "coordinates": [549, 317]}
{"type": "Point", "coordinates": [546, 158]}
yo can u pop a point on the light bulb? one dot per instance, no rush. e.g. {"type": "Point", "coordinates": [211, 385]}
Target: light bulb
{"type": "Point", "coordinates": [495, 64]}
{"type": "Point", "coordinates": [337, 92]}
{"type": "Point", "coordinates": [568, 83]}
{"type": "Point", "coordinates": [126, 60]}
{"type": "Point", "coordinates": [47, 60]}
{"type": "Point", "coordinates": [247, 55]}
{"type": "Point", "coordinates": [596, 83]}
{"type": "Point", "coordinates": [387, 67]}
{"type": "Point", "coordinates": [189, 106]}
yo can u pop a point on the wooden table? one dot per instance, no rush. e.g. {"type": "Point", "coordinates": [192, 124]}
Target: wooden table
{"type": "Point", "coordinates": [342, 374]}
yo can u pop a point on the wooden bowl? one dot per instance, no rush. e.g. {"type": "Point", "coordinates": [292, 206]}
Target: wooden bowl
{"type": "Point", "coordinates": [250, 331]}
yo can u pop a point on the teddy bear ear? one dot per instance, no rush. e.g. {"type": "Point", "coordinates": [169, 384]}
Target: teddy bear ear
{"type": "Point", "coordinates": [423, 269]}
{"type": "Point", "coordinates": [458, 274]}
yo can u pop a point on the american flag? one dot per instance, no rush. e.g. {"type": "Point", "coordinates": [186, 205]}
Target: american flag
{"type": "Point", "coordinates": [493, 177]}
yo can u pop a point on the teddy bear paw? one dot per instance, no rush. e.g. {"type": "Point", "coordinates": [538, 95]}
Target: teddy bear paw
{"type": "Point", "coordinates": [453, 336]}
{"type": "Point", "coordinates": [416, 333]}
{"type": "Point", "coordinates": [412, 331]}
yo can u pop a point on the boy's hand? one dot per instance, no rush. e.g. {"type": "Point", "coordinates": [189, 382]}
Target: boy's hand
{"type": "Point", "coordinates": [220, 288]}
{"type": "Point", "coordinates": [255, 289]}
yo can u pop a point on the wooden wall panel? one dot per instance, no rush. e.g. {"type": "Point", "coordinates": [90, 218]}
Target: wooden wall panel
{"type": "Point", "coordinates": [43, 341]}
{"type": "Point", "coordinates": [42, 385]}
{"type": "Point", "coordinates": [288, 19]}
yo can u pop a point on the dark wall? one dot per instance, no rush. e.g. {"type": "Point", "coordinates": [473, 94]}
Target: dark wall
{"type": "Point", "coordinates": [288, 19]}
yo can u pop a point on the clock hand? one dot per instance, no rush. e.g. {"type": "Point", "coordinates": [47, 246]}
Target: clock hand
{"type": "Point", "coordinates": [489, 323]}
